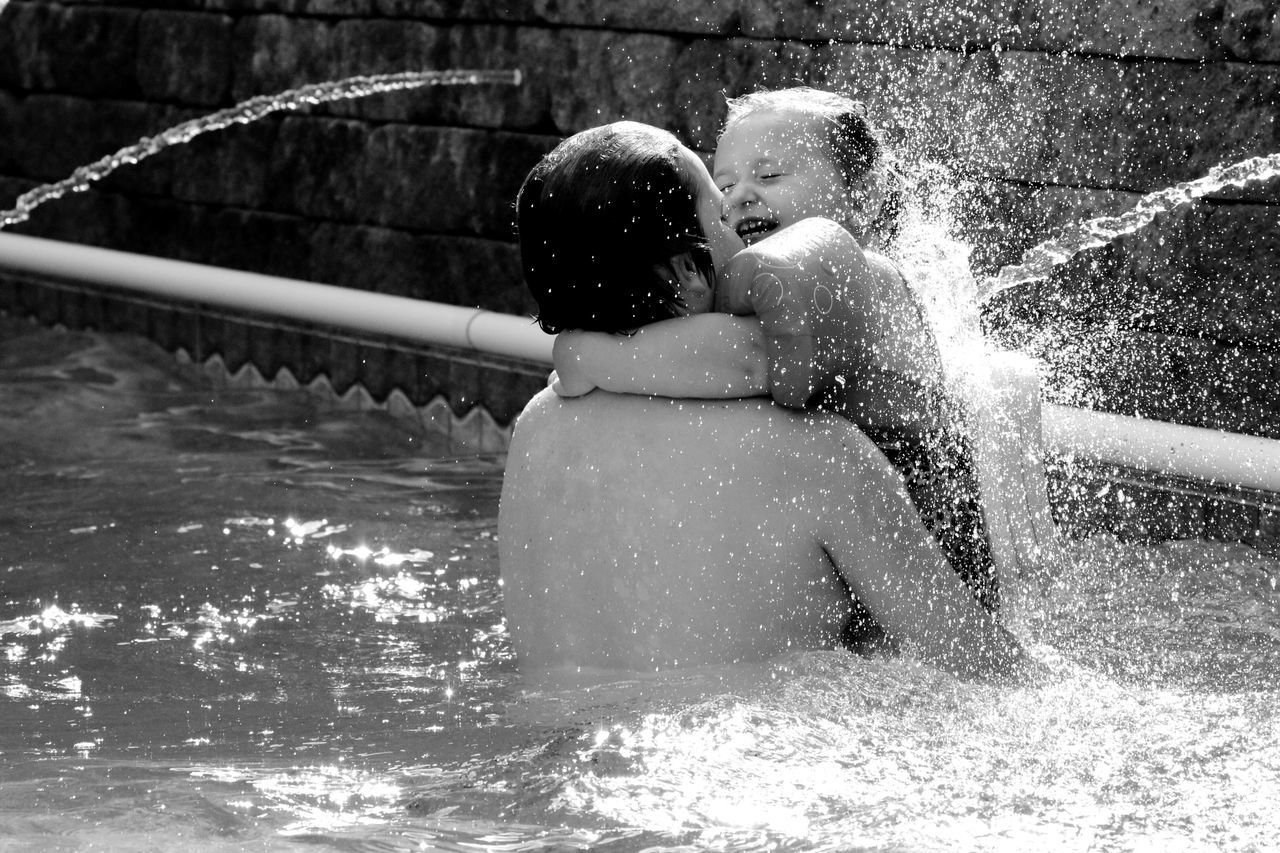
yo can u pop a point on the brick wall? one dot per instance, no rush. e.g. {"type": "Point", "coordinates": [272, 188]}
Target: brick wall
{"type": "Point", "coordinates": [1051, 110]}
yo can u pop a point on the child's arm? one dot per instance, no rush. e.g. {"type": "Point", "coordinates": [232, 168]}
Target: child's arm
{"type": "Point", "coordinates": [708, 356]}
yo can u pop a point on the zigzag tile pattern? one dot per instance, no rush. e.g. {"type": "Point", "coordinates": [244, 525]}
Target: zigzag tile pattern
{"type": "Point", "coordinates": [475, 432]}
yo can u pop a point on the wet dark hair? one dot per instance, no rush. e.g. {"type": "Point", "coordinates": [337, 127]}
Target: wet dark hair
{"type": "Point", "coordinates": [856, 147]}
{"type": "Point", "coordinates": [600, 220]}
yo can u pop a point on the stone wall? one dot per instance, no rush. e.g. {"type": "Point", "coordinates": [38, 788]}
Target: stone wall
{"type": "Point", "coordinates": [1050, 111]}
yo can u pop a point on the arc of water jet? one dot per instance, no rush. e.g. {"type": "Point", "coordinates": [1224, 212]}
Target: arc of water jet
{"type": "Point", "coordinates": [1038, 261]}
{"type": "Point", "coordinates": [244, 113]}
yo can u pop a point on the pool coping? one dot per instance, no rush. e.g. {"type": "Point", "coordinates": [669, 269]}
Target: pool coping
{"type": "Point", "coordinates": [471, 399]}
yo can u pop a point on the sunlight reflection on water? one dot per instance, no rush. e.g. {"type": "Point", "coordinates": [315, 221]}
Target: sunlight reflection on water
{"type": "Point", "coordinates": [298, 636]}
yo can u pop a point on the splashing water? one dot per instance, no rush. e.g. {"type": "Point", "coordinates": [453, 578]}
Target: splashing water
{"type": "Point", "coordinates": [245, 113]}
{"type": "Point", "coordinates": [1041, 259]}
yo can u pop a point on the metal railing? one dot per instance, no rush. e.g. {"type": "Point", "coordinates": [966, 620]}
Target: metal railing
{"type": "Point", "coordinates": [1209, 455]}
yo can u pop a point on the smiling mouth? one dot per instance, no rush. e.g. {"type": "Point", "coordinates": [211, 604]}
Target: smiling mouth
{"type": "Point", "coordinates": [751, 230]}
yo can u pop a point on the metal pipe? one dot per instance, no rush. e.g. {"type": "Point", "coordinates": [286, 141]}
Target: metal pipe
{"type": "Point", "coordinates": [1204, 454]}
{"type": "Point", "coordinates": [1211, 455]}
{"type": "Point", "coordinates": [413, 320]}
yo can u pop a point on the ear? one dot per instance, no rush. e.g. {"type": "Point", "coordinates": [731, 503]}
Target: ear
{"type": "Point", "coordinates": [685, 269]}
{"type": "Point", "coordinates": [867, 197]}
{"type": "Point", "coordinates": [682, 268]}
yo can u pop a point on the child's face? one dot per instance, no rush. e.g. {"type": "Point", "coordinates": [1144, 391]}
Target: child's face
{"type": "Point", "coordinates": [775, 169]}
{"type": "Point", "coordinates": [721, 239]}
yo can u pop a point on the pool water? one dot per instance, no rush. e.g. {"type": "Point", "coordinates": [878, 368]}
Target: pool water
{"type": "Point", "coordinates": [242, 620]}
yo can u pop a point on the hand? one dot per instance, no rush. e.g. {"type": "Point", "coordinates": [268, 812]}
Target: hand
{"type": "Point", "coordinates": [569, 388]}
{"type": "Point", "coordinates": [567, 379]}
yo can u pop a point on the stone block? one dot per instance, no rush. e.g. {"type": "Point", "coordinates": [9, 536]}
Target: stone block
{"type": "Point", "coordinates": [91, 218]}
{"type": "Point", "coordinates": [377, 46]}
{"type": "Point", "coordinates": [81, 50]}
{"type": "Point", "coordinates": [275, 53]}
{"type": "Point", "coordinates": [439, 268]}
{"type": "Point", "coordinates": [1172, 29]}
{"type": "Point", "coordinates": [1002, 220]}
{"type": "Point", "coordinates": [184, 57]}
{"type": "Point", "coordinates": [226, 168]}
{"type": "Point", "coordinates": [11, 57]}
{"type": "Point", "coordinates": [1142, 126]}
{"type": "Point", "coordinates": [607, 76]}
{"type": "Point", "coordinates": [268, 60]}
{"type": "Point", "coordinates": [370, 47]}
{"type": "Point", "coordinates": [535, 53]}
{"type": "Point", "coordinates": [1251, 30]}
{"type": "Point", "coordinates": [677, 16]}
{"type": "Point", "coordinates": [12, 110]}
{"type": "Point", "coordinates": [971, 111]}
{"type": "Point", "coordinates": [12, 188]}
{"type": "Point", "coordinates": [706, 72]}
{"type": "Point", "coordinates": [267, 243]}
{"type": "Point", "coordinates": [325, 8]}
{"type": "Point", "coordinates": [55, 134]}
{"type": "Point", "coordinates": [179, 5]}
{"type": "Point", "coordinates": [1177, 29]}
{"type": "Point", "coordinates": [1060, 119]}
{"type": "Point", "coordinates": [677, 83]}
{"type": "Point", "coordinates": [166, 229]}
{"type": "Point", "coordinates": [397, 175]}
{"type": "Point", "coordinates": [957, 24]}
{"type": "Point", "coordinates": [1206, 271]}
{"type": "Point", "coordinates": [314, 167]}
{"type": "Point", "coordinates": [258, 242]}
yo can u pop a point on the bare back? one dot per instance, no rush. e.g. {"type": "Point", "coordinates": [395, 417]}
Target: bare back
{"type": "Point", "coordinates": [641, 533]}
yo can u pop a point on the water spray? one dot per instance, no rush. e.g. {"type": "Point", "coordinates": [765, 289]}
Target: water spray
{"type": "Point", "coordinates": [245, 113]}
{"type": "Point", "coordinates": [1040, 260]}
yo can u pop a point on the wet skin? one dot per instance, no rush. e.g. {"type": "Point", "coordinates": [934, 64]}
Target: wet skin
{"type": "Point", "coordinates": [775, 169]}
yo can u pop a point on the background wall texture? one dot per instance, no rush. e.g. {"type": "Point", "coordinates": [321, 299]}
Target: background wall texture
{"type": "Point", "coordinates": [1049, 111]}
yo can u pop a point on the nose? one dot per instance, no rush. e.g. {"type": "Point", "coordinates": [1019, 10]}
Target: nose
{"type": "Point", "coordinates": [738, 196]}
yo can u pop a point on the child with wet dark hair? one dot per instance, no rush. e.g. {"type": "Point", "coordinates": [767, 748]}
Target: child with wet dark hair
{"type": "Point", "coordinates": [855, 344]}
{"type": "Point", "coordinates": [612, 231]}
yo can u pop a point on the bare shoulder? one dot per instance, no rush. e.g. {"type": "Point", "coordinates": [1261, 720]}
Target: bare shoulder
{"type": "Point", "coordinates": [885, 270]}
{"type": "Point", "coordinates": [754, 431]}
